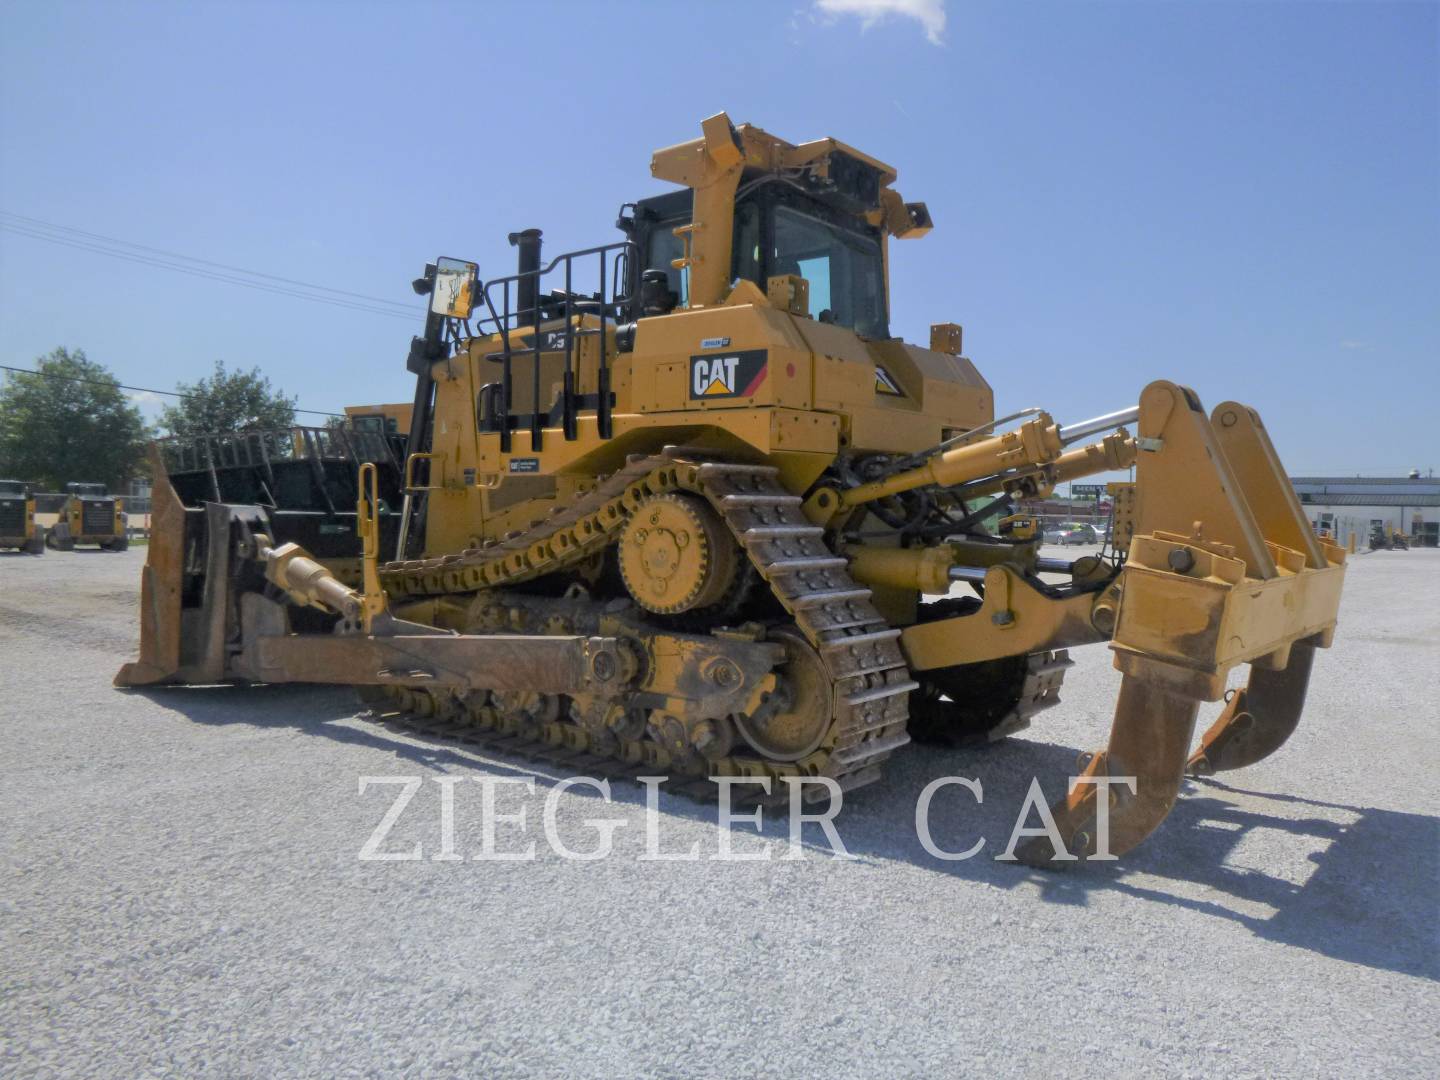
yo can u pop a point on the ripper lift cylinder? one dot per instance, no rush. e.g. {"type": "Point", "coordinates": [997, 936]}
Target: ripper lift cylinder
{"type": "Point", "coordinates": [1032, 443]}
{"type": "Point", "coordinates": [1114, 452]}
{"type": "Point", "coordinates": [1038, 442]}
{"type": "Point", "coordinates": [1119, 418]}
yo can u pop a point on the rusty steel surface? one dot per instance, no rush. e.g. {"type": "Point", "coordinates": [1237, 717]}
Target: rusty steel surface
{"type": "Point", "coordinates": [1259, 718]}
{"type": "Point", "coordinates": [1209, 584]}
{"type": "Point", "coordinates": [556, 665]}
{"type": "Point", "coordinates": [160, 582]}
{"type": "Point", "coordinates": [1149, 740]}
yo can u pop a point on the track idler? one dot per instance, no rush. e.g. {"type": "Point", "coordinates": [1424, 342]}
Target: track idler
{"type": "Point", "coordinates": [1259, 717]}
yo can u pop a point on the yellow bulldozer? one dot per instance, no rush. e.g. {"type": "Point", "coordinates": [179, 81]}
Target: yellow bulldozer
{"type": "Point", "coordinates": [387, 419]}
{"type": "Point", "coordinates": [1017, 527]}
{"type": "Point", "coordinates": [17, 519]}
{"type": "Point", "coordinates": [89, 515]}
{"type": "Point", "coordinates": [674, 504]}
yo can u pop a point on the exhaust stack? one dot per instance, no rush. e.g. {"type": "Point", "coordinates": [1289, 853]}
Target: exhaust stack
{"type": "Point", "coordinates": [527, 264]}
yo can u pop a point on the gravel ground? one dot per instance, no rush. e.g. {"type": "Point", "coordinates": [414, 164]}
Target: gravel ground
{"type": "Point", "coordinates": [182, 891]}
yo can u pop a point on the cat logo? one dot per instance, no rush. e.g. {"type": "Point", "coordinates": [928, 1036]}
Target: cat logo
{"type": "Point", "coordinates": [727, 375]}
{"type": "Point", "coordinates": [885, 384]}
{"type": "Point", "coordinates": [715, 377]}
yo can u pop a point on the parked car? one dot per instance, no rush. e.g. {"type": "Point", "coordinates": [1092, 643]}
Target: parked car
{"type": "Point", "coordinates": [1076, 532]}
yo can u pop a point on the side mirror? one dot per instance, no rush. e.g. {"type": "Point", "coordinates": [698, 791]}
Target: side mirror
{"type": "Point", "coordinates": [455, 285]}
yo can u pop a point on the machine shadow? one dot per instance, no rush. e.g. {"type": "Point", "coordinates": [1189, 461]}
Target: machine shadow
{"type": "Point", "coordinates": [1352, 900]}
{"type": "Point", "coordinates": [310, 708]}
{"type": "Point", "coordinates": [1351, 906]}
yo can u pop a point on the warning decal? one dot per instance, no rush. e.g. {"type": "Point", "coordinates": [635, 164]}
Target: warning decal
{"type": "Point", "coordinates": [886, 384]}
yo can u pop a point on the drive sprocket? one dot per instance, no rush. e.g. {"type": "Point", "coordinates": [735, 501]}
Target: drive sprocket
{"type": "Point", "coordinates": [677, 555]}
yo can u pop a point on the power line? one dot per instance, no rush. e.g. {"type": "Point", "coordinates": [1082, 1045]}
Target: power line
{"type": "Point", "coordinates": [77, 242]}
{"type": "Point", "coordinates": [199, 273]}
{"type": "Point", "coordinates": [122, 386]}
{"type": "Point", "coordinates": [36, 222]}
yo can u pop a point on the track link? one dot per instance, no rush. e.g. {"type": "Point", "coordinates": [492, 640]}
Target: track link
{"type": "Point", "coordinates": [869, 682]}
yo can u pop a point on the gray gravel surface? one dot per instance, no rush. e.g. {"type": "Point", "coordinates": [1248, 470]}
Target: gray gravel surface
{"type": "Point", "coordinates": [182, 892]}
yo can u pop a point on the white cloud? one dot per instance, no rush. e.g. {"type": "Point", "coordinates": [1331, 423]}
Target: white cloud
{"type": "Point", "coordinates": [147, 402]}
{"type": "Point", "coordinates": [930, 14]}
{"type": "Point", "coordinates": [1350, 343]}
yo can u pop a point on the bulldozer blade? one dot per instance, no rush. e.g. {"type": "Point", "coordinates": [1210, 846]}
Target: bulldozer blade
{"type": "Point", "coordinates": [1148, 744]}
{"type": "Point", "coordinates": [1259, 718]}
{"type": "Point", "coordinates": [160, 586]}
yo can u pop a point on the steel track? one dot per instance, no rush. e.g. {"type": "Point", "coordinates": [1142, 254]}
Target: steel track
{"type": "Point", "coordinates": [869, 682]}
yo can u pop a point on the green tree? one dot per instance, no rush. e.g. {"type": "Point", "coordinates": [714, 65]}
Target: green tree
{"type": "Point", "coordinates": [69, 421]}
{"type": "Point", "coordinates": [228, 401]}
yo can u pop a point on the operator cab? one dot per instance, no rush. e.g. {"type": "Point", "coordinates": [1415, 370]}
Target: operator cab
{"type": "Point", "coordinates": [811, 227]}
{"type": "Point", "coordinates": [86, 491]}
{"type": "Point", "coordinates": [777, 214]}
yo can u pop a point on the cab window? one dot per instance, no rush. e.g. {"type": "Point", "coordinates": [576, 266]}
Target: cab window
{"type": "Point", "coordinates": [662, 249]}
{"type": "Point", "coordinates": [843, 268]}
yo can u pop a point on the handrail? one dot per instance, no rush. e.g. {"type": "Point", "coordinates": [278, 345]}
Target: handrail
{"type": "Point", "coordinates": [504, 321]}
{"type": "Point", "coordinates": [410, 485]}
{"type": "Point", "coordinates": [263, 448]}
{"type": "Point", "coordinates": [367, 524]}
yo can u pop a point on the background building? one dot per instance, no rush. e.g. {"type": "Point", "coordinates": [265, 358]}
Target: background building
{"type": "Point", "coordinates": [1355, 504]}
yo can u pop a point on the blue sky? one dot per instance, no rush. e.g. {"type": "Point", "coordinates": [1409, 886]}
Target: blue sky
{"type": "Point", "coordinates": [1244, 197]}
